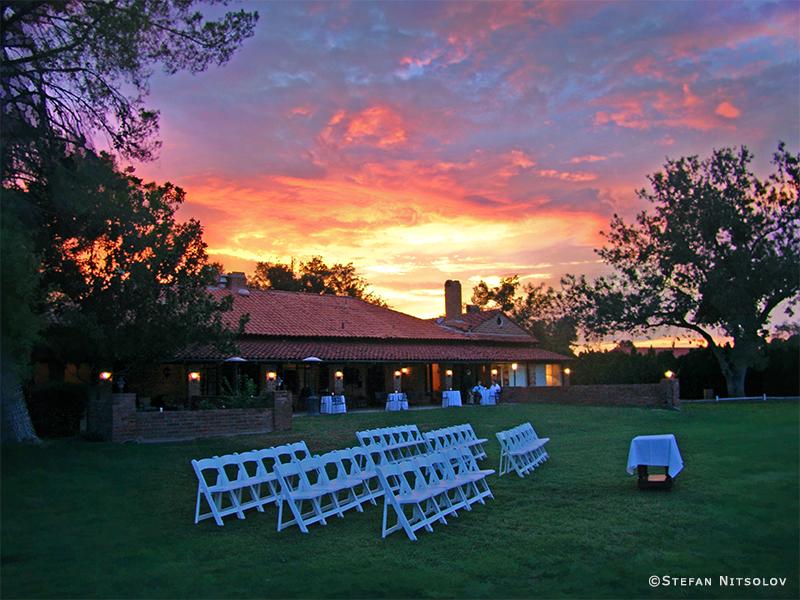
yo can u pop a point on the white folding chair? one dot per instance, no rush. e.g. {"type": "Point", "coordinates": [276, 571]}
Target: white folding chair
{"type": "Point", "coordinates": [301, 482]}
{"type": "Point", "coordinates": [221, 495]}
{"type": "Point", "coordinates": [405, 488]}
{"type": "Point", "coordinates": [472, 477]}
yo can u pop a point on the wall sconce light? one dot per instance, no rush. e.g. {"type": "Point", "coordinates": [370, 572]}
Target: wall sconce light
{"type": "Point", "coordinates": [105, 376]}
{"type": "Point", "coordinates": [397, 373]}
{"type": "Point", "coordinates": [271, 375]}
{"type": "Point", "coordinates": [339, 374]}
{"type": "Point", "coordinates": [514, 366]}
{"type": "Point", "coordinates": [669, 374]}
{"type": "Point", "coordinates": [567, 371]}
{"type": "Point", "coordinates": [194, 376]}
{"type": "Point", "coordinates": [404, 370]}
{"type": "Point", "coordinates": [494, 372]}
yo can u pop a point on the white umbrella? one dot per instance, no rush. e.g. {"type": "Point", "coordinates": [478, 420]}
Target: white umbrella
{"type": "Point", "coordinates": [312, 360]}
{"type": "Point", "coordinates": [236, 360]}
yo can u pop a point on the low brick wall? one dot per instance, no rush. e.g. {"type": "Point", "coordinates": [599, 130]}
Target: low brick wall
{"type": "Point", "coordinates": [665, 394]}
{"type": "Point", "coordinates": [121, 422]}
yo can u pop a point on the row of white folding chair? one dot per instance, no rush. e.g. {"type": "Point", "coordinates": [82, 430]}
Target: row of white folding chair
{"type": "Point", "coordinates": [431, 486]}
{"type": "Point", "coordinates": [456, 436]}
{"type": "Point", "coordinates": [521, 449]}
{"type": "Point", "coordinates": [324, 483]}
{"type": "Point", "coordinates": [231, 484]}
{"type": "Point", "coordinates": [236, 482]}
{"type": "Point", "coordinates": [397, 442]}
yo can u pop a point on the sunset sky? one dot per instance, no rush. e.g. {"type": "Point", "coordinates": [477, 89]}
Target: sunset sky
{"type": "Point", "coordinates": [426, 141]}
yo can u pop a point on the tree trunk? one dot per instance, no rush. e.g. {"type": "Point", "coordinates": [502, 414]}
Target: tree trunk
{"type": "Point", "coordinates": [734, 377]}
{"type": "Point", "coordinates": [733, 370]}
{"type": "Point", "coordinates": [14, 417]}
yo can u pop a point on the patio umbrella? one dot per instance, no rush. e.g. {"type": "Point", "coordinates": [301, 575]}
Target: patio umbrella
{"type": "Point", "coordinates": [313, 360]}
{"type": "Point", "coordinates": [236, 360]}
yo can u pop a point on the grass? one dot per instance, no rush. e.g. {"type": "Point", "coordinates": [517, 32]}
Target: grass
{"type": "Point", "coordinates": [92, 520]}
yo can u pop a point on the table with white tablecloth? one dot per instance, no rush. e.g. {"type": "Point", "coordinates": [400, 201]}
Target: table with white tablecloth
{"type": "Point", "coordinates": [451, 398]}
{"type": "Point", "coordinates": [488, 396]}
{"type": "Point", "coordinates": [655, 451]}
{"type": "Point", "coordinates": [396, 401]}
{"type": "Point", "coordinates": [330, 405]}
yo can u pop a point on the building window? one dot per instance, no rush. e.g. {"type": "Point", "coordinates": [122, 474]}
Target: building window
{"type": "Point", "coordinates": [553, 374]}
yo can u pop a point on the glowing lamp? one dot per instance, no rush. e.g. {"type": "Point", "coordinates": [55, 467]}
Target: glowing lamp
{"type": "Point", "coordinates": [448, 372]}
{"type": "Point", "coordinates": [514, 366]}
{"type": "Point", "coordinates": [494, 371]}
{"type": "Point", "coordinates": [567, 371]}
{"type": "Point", "coordinates": [404, 370]}
{"type": "Point", "coordinates": [105, 375]}
{"type": "Point", "coordinates": [669, 374]}
{"type": "Point", "coordinates": [194, 376]}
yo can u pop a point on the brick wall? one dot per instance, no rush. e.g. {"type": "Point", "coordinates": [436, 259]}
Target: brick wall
{"type": "Point", "coordinates": [665, 394]}
{"type": "Point", "coordinates": [114, 418]}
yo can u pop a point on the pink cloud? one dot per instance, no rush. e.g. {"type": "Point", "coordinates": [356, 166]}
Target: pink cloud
{"type": "Point", "coordinates": [728, 110]}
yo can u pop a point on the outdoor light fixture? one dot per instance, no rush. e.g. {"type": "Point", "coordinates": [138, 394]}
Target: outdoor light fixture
{"type": "Point", "coordinates": [271, 375]}
{"type": "Point", "coordinates": [339, 374]}
{"type": "Point", "coordinates": [449, 373]}
{"type": "Point", "coordinates": [567, 371]}
{"type": "Point", "coordinates": [105, 375]}
{"type": "Point", "coordinates": [397, 373]}
{"type": "Point", "coordinates": [194, 376]}
{"type": "Point", "coordinates": [669, 374]}
{"type": "Point", "coordinates": [514, 366]}
{"type": "Point", "coordinates": [494, 371]}
{"type": "Point", "coordinates": [404, 370]}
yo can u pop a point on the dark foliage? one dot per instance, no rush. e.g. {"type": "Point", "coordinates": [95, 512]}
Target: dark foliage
{"type": "Point", "coordinates": [56, 408]}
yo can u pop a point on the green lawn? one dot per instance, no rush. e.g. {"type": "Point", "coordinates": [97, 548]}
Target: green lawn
{"type": "Point", "coordinates": [92, 520]}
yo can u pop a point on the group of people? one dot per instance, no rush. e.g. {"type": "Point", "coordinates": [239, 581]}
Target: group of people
{"type": "Point", "coordinates": [475, 393]}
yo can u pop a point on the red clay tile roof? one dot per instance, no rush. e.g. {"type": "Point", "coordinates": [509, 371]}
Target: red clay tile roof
{"type": "Point", "coordinates": [366, 351]}
{"type": "Point", "coordinates": [295, 314]}
{"type": "Point", "coordinates": [291, 326]}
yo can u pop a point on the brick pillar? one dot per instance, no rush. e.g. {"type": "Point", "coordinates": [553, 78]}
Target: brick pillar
{"type": "Point", "coordinates": [671, 392]}
{"type": "Point", "coordinates": [125, 425]}
{"type": "Point", "coordinates": [282, 411]}
{"type": "Point", "coordinates": [99, 417]}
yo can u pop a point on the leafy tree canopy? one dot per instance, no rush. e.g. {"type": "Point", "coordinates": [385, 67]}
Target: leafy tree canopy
{"type": "Point", "coordinates": [718, 255]}
{"type": "Point", "coordinates": [542, 310]}
{"type": "Point", "coordinates": [124, 271]}
{"type": "Point", "coordinates": [74, 75]}
{"type": "Point", "coordinates": [78, 68]}
{"type": "Point", "coordinates": [313, 277]}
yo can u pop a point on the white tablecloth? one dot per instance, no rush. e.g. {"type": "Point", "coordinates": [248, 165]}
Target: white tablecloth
{"type": "Point", "coordinates": [656, 451]}
{"type": "Point", "coordinates": [451, 398]}
{"type": "Point", "coordinates": [396, 402]}
{"type": "Point", "coordinates": [332, 405]}
{"type": "Point", "coordinates": [487, 397]}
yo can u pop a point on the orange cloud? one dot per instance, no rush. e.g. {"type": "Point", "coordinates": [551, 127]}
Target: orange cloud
{"type": "Point", "coordinates": [588, 158]}
{"type": "Point", "coordinates": [376, 126]}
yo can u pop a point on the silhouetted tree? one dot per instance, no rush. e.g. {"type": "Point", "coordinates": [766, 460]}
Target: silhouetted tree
{"type": "Point", "coordinates": [313, 277]}
{"type": "Point", "coordinates": [73, 70]}
{"type": "Point", "coordinates": [719, 255]}
{"type": "Point", "coordinates": [543, 311]}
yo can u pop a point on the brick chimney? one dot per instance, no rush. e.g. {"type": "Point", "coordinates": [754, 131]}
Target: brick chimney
{"type": "Point", "coordinates": [452, 299]}
{"type": "Point", "coordinates": [233, 281]}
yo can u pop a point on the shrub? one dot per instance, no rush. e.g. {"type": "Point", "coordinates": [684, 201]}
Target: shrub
{"type": "Point", "coordinates": [56, 408]}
